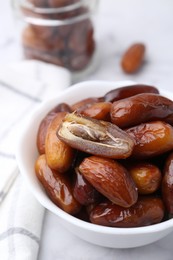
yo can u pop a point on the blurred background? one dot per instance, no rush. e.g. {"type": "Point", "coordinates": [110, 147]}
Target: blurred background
{"type": "Point", "coordinates": [118, 24]}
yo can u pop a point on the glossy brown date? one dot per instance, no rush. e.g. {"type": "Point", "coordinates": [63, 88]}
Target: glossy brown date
{"type": "Point", "coordinates": [128, 91]}
{"type": "Point", "coordinates": [100, 110]}
{"type": "Point", "coordinates": [167, 184]}
{"type": "Point", "coordinates": [57, 186]}
{"type": "Point", "coordinates": [83, 191]}
{"type": "Point", "coordinates": [141, 108]}
{"type": "Point", "coordinates": [85, 103]}
{"type": "Point", "coordinates": [151, 139]}
{"type": "Point", "coordinates": [146, 176]}
{"type": "Point", "coordinates": [59, 155]}
{"type": "Point", "coordinates": [41, 134]}
{"type": "Point", "coordinates": [95, 137]}
{"type": "Point", "coordinates": [133, 58]}
{"type": "Point", "coordinates": [111, 179]}
{"type": "Point", "coordinates": [147, 211]}
{"type": "Point", "coordinates": [103, 188]}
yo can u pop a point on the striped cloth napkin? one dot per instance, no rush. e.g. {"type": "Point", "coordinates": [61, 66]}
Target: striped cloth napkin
{"type": "Point", "coordinates": [23, 86]}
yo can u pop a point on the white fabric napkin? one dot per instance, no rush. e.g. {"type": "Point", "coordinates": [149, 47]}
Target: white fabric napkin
{"type": "Point", "coordinates": [23, 86]}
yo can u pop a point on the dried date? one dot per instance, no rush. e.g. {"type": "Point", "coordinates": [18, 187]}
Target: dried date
{"type": "Point", "coordinates": [83, 191]}
{"type": "Point", "coordinates": [147, 211]}
{"type": "Point", "coordinates": [100, 110]}
{"type": "Point", "coordinates": [151, 139]}
{"type": "Point", "coordinates": [146, 176]}
{"type": "Point", "coordinates": [85, 103]}
{"type": "Point", "coordinates": [128, 91]}
{"type": "Point", "coordinates": [41, 134]}
{"type": "Point", "coordinates": [133, 58]}
{"type": "Point", "coordinates": [57, 186]}
{"type": "Point", "coordinates": [111, 179]}
{"type": "Point", "coordinates": [59, 155]}
{"type": "Point", "coordinates": [167, 184]}
{"type": "Point", "coordinates": [141, 108]}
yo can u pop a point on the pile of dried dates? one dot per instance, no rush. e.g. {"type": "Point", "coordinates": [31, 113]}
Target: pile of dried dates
{"type": "Point", "coordinates": [109, 160]}
{"type": "Point", "coordinates": [70, 45]}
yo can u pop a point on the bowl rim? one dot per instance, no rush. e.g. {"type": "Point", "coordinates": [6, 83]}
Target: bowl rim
{"type": "Point", "coordinates": [167, 224]}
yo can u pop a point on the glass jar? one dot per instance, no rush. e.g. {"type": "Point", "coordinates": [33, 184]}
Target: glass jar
{"type": "Point", "coordinates": [60, 32]}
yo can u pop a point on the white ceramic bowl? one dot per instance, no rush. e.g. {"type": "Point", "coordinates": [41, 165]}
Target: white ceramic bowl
{"type": "Point", "coordinates": [27, 154]}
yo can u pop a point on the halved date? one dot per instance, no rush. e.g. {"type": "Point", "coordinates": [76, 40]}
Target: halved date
{"type": "Point", "coordinates": [151, 139]}
{"type": "Point", "coordinates": [111, 179]}
{"type": "Point", "coordinates": [95, 137]}
{"type": "Point", "coordinates": [141, 108]}
{"type": "Point", "coordinates": [147, 211]}
{"type": "Point", "coordinates": [57, 186]}
{"type": "Point", "coordinates": [128, 91]}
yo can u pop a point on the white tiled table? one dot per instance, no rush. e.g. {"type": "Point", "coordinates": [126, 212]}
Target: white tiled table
{"type": "Point", "coordinates": [120, 23]}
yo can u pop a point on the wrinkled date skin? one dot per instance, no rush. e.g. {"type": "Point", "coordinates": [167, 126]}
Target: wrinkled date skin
{"type": "Point", "coordinates": [141, 108]}
{"type": "Point", "coordinates": [146, 176]}
{"type": "Point", "coordinates": [83, 191]}
{"type": "Point", "coordinates": [167, 184]}
{"type": "Point", "coordinates": [57, 186]}
{"type": "Point", "coordinates": [41, 134]}
{"type": "Point", "coordinates": [147, 211]}
{"type": "Point", "coordinates": [102, 158]}
{"type": "Point", "coordinates": [128, 91]}
{"type": "Point", "coordinates": [111, 179]}
{"type": "Point", "coordinates": [151, 139]}
{"type": "Point", "coordinates": [95, 137]}
{"type": "Point", "coordinates": [59, 155]}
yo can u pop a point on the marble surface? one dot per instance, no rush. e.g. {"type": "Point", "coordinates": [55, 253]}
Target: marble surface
{"type": "Point", "coordinates": [119, 23]}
